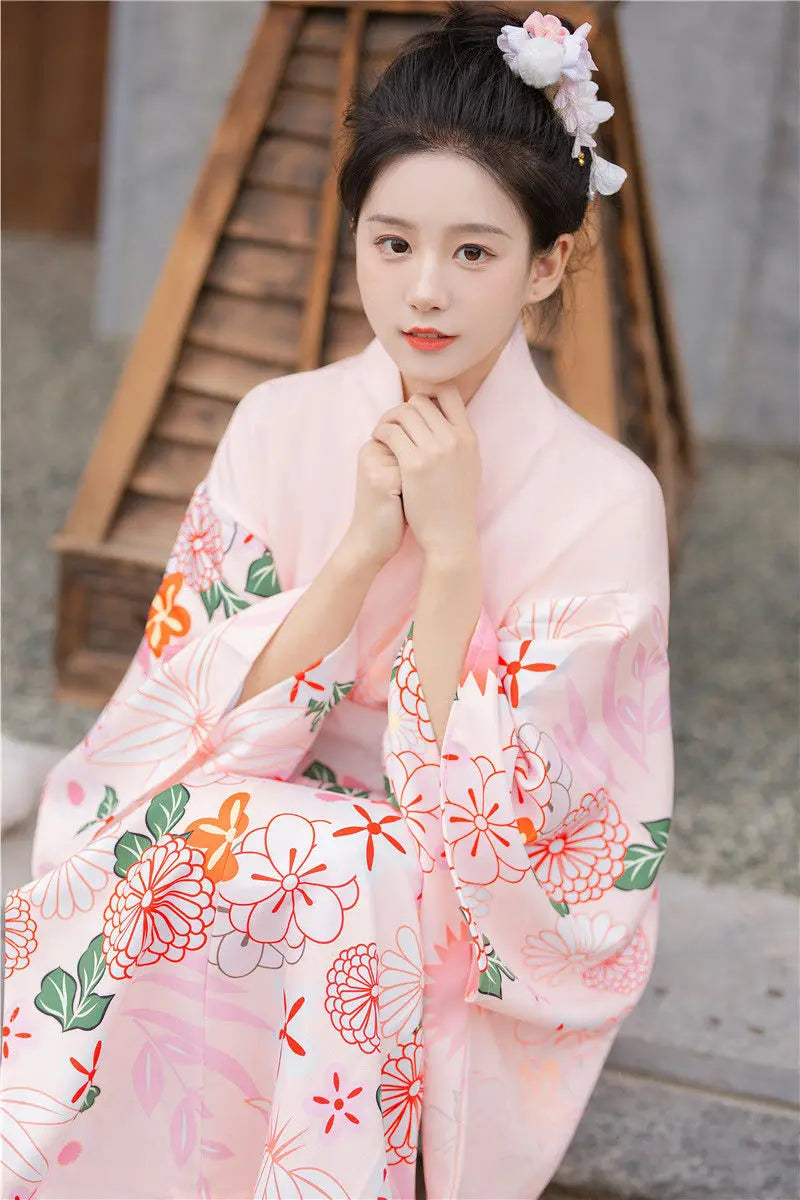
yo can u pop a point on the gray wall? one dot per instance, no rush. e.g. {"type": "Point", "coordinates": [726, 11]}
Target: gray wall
{"type": "Point", "coordinates": [715, 90]}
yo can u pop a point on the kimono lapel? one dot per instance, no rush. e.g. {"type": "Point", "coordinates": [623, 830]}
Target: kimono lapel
{"type": "Point", "coordinates": [512, 413]}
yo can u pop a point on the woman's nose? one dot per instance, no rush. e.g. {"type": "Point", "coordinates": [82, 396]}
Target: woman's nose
{"type": "Point", "coordinates": [427, 288]}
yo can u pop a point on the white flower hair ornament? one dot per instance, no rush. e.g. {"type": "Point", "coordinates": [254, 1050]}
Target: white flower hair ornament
{"type": "Point", "coordinates": [544, 54]}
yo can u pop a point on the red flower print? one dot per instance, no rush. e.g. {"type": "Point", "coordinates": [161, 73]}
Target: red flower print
{"type": "Point", "coordinates": [401, 1100]}
{"type": "Point", "coordinates": [628, 970]}
{"type": "Point", "coordinates": [161, 909]}
{"type": "Point", "coordinates": [416, 787]}
{"type": "Point", "coordinates": [583, 857]}
{"type": "Point", "coordinates": [88, 1072]}
{"type": "Point", "coordinates": [478, 823]}
{"type": "Point", "coordinates": [198, 546]}
{"type": "Point", "coordinates": [215, 836]}
{"type": "Point", "coordinates": [20, 936]}
{"type": "Point", "coordinates": [166, 619]}
{"type": "Point", "coordinates": [300, 677]}
{"type": "Point", "coordinates": [409, 694]}
{"type": "Point", "coordinates": [352, 996]}
{"type": "Point", "coordinates": [339, 1104]}
{"type": "Point", "coordinates": [7, 1034]}
{"type": "Point", "coordinates": [288, 1016]}
{"type": "Point", "coordinates": [372, 829]}
{"type": "Point", "coordinates": [284, 891]}
{"type": "Point", "coordinates": [511, 669]}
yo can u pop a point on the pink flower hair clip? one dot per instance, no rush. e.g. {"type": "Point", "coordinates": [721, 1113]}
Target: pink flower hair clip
{"type": "Point", "coordinates": [544, 54]}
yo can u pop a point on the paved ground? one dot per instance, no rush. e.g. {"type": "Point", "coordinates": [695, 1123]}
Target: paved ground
{"type": "Point", "coordinates": [734, 608]}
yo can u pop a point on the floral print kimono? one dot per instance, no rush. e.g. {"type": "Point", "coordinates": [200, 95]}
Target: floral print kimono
{"type": "Point", "coordinates": [276, 949]}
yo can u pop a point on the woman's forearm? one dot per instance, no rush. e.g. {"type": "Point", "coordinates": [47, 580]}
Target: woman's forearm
{"type": "Point", "coordinates": [321, 619]}
{"type": "Point", "coordinates": [447, 611]}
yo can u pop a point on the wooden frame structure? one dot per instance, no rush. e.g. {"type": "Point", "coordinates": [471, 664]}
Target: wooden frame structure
{"type": "Point", "coordinates": [260, 281]}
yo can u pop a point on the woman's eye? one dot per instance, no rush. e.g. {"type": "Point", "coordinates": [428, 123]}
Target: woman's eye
{"type": "Point", "coordinates": [471, 249]}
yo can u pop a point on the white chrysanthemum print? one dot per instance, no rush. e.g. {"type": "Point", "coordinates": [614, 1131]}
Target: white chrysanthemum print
{"type": "Point", "coordinates": [577, 942]}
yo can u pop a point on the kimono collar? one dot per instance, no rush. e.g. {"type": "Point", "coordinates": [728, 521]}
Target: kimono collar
{"type": "Point", "coordinates": [512, 413]}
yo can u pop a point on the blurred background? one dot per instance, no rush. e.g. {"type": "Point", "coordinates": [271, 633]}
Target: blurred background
{"type": "Point", "coordinates": [108, 110]}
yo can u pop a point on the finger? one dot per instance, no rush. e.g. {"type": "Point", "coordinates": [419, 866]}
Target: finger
{"type": "Point", "coordinates": [428, 410]}
{"type": "Point", "coordinates": [396, 438]}
{"type": "Point", "coordinates": [452, 405]}
{"type": "Point", "coordinates": [409, 418]}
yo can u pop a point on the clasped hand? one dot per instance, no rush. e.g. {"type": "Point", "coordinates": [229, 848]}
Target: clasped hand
{"type": "Point", "coordinates": [440, 468]}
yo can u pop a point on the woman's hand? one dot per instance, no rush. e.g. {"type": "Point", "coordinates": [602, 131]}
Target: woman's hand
{"type": "Point", "coordinates": [440, 469]}
{"type": "Point", "coordinates": [377, 526]}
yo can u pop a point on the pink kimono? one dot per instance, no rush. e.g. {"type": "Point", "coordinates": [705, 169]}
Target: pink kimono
{"type": "Point", "coordinates": [273, 949]}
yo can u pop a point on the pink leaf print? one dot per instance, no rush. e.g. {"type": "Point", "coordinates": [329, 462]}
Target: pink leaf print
{"type": "Point", "coordinates": [148, 1078]}
{"type": "Point", "coordinates": [659, 715]}
{"type": "Point", "coordinates": [178, 1050]}
{"type": "Point", "coordinates": [75, 793]}
{"type": "Point", "coordinates": [215, 1150]}
{"type": "Point", "coordinates": [631, 713]}
{"type": "Point", "coordinates": [580, 727]}
{"type": "Point", "coordinates": [639, 666]}
{"type": "Point", "coordinates": [203, 1189]}
{"type": "Point", "coordinates": [183, 1131]}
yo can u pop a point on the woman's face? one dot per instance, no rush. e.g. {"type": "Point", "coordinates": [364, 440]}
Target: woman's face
{"type": "Point", "coordinates": [420, 261]}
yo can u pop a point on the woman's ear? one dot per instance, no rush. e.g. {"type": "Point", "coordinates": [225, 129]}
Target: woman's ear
{"type": "Point", "coordinates": [548, 269]}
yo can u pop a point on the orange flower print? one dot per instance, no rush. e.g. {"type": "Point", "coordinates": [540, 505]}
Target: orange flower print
{"type": "Point", "coordinates": [352, 996]}
{"type": "Point", "coordinates": [215, 836]}
{"type": "Point", "coordinates": [87, 1072]}
{"type": "Point", "coordinates": [166, 619]}
{"type": "Point", "coordinates": [583, 857]}
{"type": "Point", "coordinates": [401, 1100]}
{"type": "Point", "coordinates": [8, 1033]}
{"type": "Point", "coordinates": [161, 909]}
{"type": "Point", "coordinates": [372, 829]}
{"type": "Point", "coordinates": [20, 937]}
{"type": "Point", "coordinates": [198, 547]}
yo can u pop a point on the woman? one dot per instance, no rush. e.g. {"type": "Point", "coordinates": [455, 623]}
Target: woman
{"type": "Point", "coordinates": [363, 848]}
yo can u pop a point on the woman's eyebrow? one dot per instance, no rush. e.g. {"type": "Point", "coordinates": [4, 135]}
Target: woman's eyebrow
{"type": "Point", "coordinates": [467, 227]}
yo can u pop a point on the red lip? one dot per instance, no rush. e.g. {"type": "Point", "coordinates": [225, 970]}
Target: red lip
{"type": "Point", "coordinates": [427, 329]}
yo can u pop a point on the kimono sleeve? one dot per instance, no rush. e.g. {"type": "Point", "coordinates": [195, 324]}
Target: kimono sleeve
{"type": "Point", "coordinates": [555, 788]}
{"type": "Point", "coordinates": [219, 603]}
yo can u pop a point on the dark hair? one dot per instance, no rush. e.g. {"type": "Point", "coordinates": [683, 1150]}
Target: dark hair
{"type": "Point", "coordinates": [449, 89]}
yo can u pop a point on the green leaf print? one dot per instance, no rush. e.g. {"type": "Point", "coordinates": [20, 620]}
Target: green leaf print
{"type": "Point", "coordinates": [327, 781]}
{"type": "Point", "coordinates": [231, 602]}
{"type": "Point", "coordinates": [104, 809]}
{"type": "Point", "coordinates": [108, 804]}
{"type": "Point", "coordinates": [212, 598]}
{"type": "Point", "coordinates": [321, 708]}
{"type": "Point", "coordinates": [56, 997]}
{"type": "Point", "coordinates": [59, 989]}
{"type": "Point", "coordinates": [379, 1096]}
{"type": "Point", "coordinates": [389, 790]}
{"type": "Point", "coordinates": [262, 578]}
{"type": "Point", "coordinates": [91, 966]}
{"type": "Point", "coordinates": [561, 906]}
{"type": "Point", "coordinates": [319, 772]}
{"type": "Point", "coordinates": [128, 850]}
{"type": "Point", "coordinates": [490, 982]}
{"type": "Point", "coordinates": [166, 809]}
{"type": "Point", "coordinates": [91, 1095]}
{"type": "Point", "coordinates": [89, 1012]}
{"type": "Point", "coordinates": [641, 861]}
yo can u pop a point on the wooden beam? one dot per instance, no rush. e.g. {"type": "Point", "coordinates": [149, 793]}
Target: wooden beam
{"type": "Point", "coordinates": [322, 270]}
{"type": "Point", "coordinates": [156, 349]}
